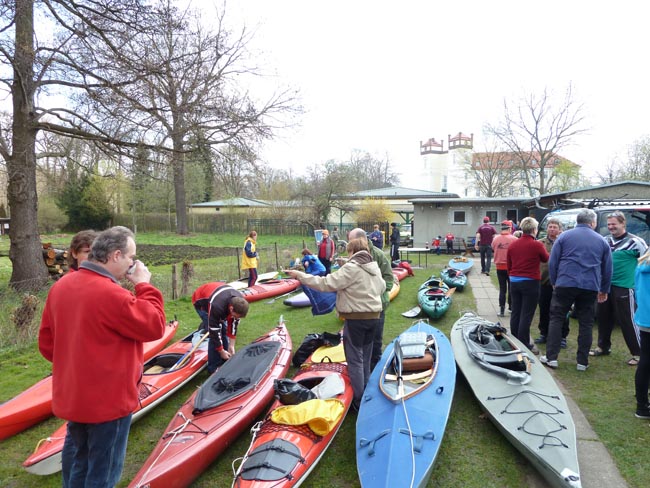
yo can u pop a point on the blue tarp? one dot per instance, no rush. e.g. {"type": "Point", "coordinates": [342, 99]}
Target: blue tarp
{"type": "Point", "coordinates": [322, 302]}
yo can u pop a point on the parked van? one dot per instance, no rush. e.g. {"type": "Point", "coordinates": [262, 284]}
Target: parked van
{"type": "Point", "coordinates": [637, 219]}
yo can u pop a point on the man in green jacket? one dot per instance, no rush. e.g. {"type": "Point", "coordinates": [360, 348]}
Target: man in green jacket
{"type": "Point", "coordinates": [387, 274]}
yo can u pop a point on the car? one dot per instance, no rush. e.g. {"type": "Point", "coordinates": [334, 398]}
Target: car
{"type": "Point", "coordinates": [406, 235]}
{"type": "Point", "coordinates": [637, 219]}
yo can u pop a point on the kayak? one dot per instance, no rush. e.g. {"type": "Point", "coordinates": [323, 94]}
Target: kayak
{"type": "Point", "coordinates": [526, 404]}
{"type": "Point", "coordinates": [454, 278]}
{"type": "Point", "coordinates": [405, 409]}
{"type": "Point", "coordinates": [269, 289]}
{"type": "Point", "coordinates": [217, 413]}
{"type": "Point", "coordinates": [394, 291]}
{"type": "Point", "coordinates": [162, 376]}
{"type": "Point", "coordinates": [461, 263]}
{"type": "Point", "coordinates": [261, 278]}
{"type": "Point", "coordinates": [282, 455]}
{"type": "Point", "coordinates": [400, 273]}
{"type": "Point", "coordinates": [434, 297]}
{"type": "Point", "coordinates": [35, 404]}
{"type": "Point", "coordinates": [298, 301]}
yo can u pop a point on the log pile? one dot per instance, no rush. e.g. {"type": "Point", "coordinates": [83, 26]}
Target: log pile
{"type": "Point", "coordinates": [56, 260]}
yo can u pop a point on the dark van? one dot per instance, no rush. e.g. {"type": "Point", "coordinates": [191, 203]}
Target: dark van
{"type": "Point", "coordinates": [637, 220]}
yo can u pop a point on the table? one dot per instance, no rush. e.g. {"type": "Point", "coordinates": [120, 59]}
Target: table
{"type": "Point", "coordinates": [405, 251]}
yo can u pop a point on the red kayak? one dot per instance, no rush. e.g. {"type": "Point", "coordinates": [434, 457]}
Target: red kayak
{"type": "Point", "coordinates": [35, 404]}
{"type": "Point", "coordinates": [400, 273]}
{"type": "Point", "coordinates": [270, 289]}
{"type": "Point", "coordinates": [217, 413]}
{"type": "Point", "coordinates": [163, 375]}
{"type": "Point", "coordinates": [282, 456]}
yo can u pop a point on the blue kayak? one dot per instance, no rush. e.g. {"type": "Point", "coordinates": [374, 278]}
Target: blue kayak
{"type": "Point", "coordinates": [461, 263]}
{"type": "Point", "coordinates": [405, 408]}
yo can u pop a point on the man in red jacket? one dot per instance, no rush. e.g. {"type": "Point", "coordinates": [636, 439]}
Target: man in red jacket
{"type": "Point", "coordinates": [92, 331]}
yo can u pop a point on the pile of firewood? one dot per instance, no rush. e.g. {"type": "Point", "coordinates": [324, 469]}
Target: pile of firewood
{"type": "Point", "coordinates": [56, 260]}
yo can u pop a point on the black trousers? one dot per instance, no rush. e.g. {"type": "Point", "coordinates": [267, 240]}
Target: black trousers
{"type": "Point", "coordinates": [618, 309]}
{"type": "Point", "coordinates": [545, 295]}
{"type": "Point", "coordinates": [585, 306]}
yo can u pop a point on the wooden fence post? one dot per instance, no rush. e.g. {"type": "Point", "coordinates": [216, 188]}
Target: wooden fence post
{"type": "Point", "coordinates": [174, 294]}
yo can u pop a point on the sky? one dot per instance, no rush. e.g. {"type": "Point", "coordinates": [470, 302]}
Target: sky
{"type": "Point", "coordinates": [381, 76]}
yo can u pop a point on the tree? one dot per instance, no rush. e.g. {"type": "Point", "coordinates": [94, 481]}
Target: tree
{"type": "Point", "coordinates": [57, 63]}
{"type": "Point", "coordinates": [374, 210]}
{"type": "Point", "coordinates": [371, 173]}
{"type": "Point", "coordinates": [321, 190]}
{"type": "Point", "coordinates": [491, 172]}
{"type": "Point", "coordinates": [536, 130]}
{"type": "Point", "coordinates": [567, 176]}
{"type": "Point", "coordinates": [192, 90]}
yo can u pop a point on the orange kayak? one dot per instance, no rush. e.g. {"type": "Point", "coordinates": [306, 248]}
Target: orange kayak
{"type": "Point", "coordinates": [35, 404]}
{"type": "Point", "coordinates": [162, 375]}
{"type": "Point", "coordinates": [284, 455]}
{"type": "Point", "coordinates": [216, 414]}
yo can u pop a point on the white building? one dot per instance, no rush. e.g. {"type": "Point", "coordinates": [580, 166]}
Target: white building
{"type": "Point", "coordinates": [443, 168]}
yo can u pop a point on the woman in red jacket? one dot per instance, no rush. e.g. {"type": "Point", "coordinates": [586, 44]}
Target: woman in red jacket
{"type": "Point", "coordinates": [524, 257]}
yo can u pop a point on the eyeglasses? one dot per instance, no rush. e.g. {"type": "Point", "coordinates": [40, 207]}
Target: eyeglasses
{"type": "Point", "coordinates": [616, 215]}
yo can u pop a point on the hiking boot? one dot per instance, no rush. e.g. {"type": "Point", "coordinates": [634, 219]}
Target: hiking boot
{"type": "Point", "coordinates": [582, 367]}
{"type": "Point", "coordinates": [643, 412]}
{"type": "Point", "coordinates": [563, 344]}
{"type": "Point", "coordinates": [541, 340]}
{"type": "Point", "coordinates": [599, 352]}
{"type": "Point", "coordinates": [551, 363]}
{"type": "Point", "coordinates": [501, 312]}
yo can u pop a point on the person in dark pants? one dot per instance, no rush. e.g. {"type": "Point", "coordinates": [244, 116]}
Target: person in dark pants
{"type": "Point", "coordinates": [220, 307]}
{"type": "Point", "coordinates": [580, 269]}
{"type": "Point", "coordinates": [500, 245]}
{"type": "Point", "coordinates": [524, 256]}
{"type": "Point", "coordinates": [449, 241]}
{"type": "Point", "coordinates": [387, 274]}
{"type": "Point", "coordinates": [553, 229]}
{"type": "Point", "coordinates": [642, 319]}
{"type": "Point", "coordinates": [483, 243]}
{"type": "Point", "coordinates": [621, 303]}
{"type": "Point", "coordinates": [326, 251]}
{"type": "Point", "coordinates": [394, 242]}
{"type": "Point", "coordinates": [358, 285]}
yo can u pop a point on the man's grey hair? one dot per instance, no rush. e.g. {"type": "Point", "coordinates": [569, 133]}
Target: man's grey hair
{"type": "Point", "coordinates": [109, 241]}
{"type": "Point", "coordinates": [586, 216]}
{"type": "Point", "coordinates": [358, 233]}
{"type": "Point", "coordinates": [528, 225]}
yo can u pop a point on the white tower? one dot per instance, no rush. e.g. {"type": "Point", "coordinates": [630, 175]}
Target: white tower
{"type": "Point", "coordinates": [443, 171]}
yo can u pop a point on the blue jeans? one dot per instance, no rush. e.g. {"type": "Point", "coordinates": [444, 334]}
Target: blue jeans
{"type": "Point", "coordinates": [214, 359]}
{"type": "Point", "coordinates": [486, 258]}
{"type": "Point", "coordinates": [93, 454]}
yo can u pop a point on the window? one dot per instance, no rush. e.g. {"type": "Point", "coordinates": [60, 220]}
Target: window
{"type": "Point", "coordinates": [493, 214]}
{"type": "Point", "coordinates": [459, 217]}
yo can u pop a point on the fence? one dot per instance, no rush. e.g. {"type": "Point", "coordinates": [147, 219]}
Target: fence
{"type": "Point", "coordinates": [214, 224]}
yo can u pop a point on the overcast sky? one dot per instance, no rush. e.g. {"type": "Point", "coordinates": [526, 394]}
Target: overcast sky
{"type": "Point", "coordinates": [381, 76]}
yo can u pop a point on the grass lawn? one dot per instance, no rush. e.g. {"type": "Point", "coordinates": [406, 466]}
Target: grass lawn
{"type": "Point", "coordinates": [473, 452]}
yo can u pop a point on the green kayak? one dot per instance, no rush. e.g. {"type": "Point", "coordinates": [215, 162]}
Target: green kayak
{"type": "Point", "coordinates": [434, 297]}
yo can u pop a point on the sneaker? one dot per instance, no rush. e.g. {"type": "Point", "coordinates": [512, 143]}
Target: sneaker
{"type": "Point", "coordinates": [643, 412]}
{"type": "Point", "coordinates": [541, 340]}
{"type": "Point", "coordinates": [563, 344]}
{"type": "Point", "coordinates": [533, 349]}
{"type": "Point", "coordinates": [599, 352]}
{"type": "Point", "coordinates": [582, 367]}
{"type": "Point", "coordinates": [550, 363]}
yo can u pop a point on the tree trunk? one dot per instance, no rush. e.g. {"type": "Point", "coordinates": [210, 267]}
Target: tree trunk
{"type": "Point", "coordinates": [178, 162]}
{"type": "Point", "coordinates": [29, 271]}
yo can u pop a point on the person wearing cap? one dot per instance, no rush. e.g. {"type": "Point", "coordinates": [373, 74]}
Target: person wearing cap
{"type": "Point", "coordinates": [484, 236]}
{"type": "Point", "coordinates": [500, 246]}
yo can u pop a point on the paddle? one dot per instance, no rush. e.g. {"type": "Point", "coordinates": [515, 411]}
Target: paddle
{"type": "Point", "coordinates": [186, 356]}
{"type": "Point", "coordinates": [450, 292]}
{"type": "Point", "coordinates": [272, 300]}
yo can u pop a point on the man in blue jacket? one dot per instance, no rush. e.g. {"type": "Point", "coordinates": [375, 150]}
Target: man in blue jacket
{"type": "Point", "coordinates": [580, 270]}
